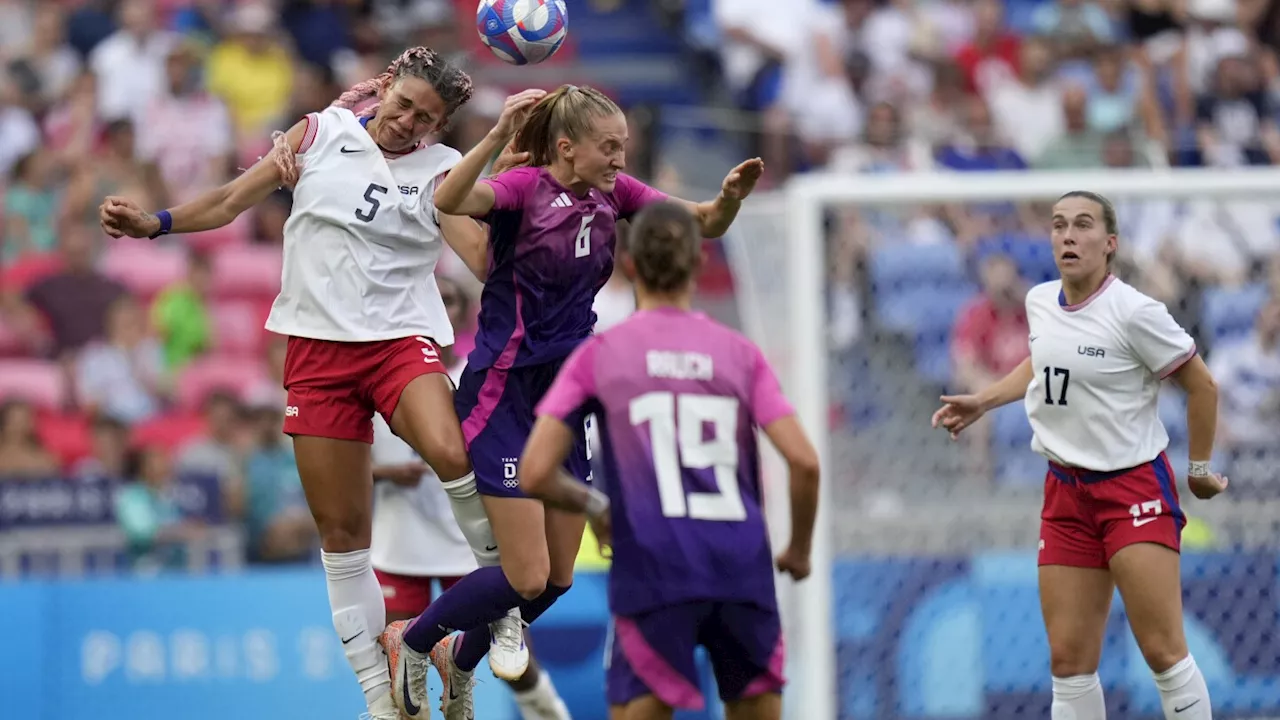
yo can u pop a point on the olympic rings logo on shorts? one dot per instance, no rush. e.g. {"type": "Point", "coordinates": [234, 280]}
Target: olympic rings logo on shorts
{"type": "Point", "coordinates": [509, 479]}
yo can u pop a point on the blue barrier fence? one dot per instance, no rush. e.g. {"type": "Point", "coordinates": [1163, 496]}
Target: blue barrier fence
{"type": "Point", "coordinates": [918, 638]}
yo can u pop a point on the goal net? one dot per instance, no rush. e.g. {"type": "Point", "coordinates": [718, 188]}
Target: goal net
{"type": "Point", "coordinates": [872, 295]}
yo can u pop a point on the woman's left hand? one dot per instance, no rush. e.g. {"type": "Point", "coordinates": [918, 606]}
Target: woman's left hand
{"type": "Point", "coordinates": [741, 180]}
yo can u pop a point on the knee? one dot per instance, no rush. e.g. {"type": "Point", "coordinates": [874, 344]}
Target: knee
{"type": "Point", "coordinates": [451, 461]}
{"type": "Point", "coordinates": [1164, 654]}
{"type": "Point", "coordinates": [341, 533]}
{"type": "Point", "coordinates": [1068, 659]}
{"type": "Point", "coordinates": [530, 579]}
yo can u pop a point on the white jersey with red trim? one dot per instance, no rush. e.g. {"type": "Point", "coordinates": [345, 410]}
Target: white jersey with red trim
{"type": "Point", "coordinates": [1096, 372]}
{"type": "Point", "coordinates": [414, 532]}
{"type": "Point", "coordinates": [362, 241]}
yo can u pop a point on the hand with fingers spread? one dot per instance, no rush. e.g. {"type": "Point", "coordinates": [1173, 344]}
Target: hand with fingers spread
{"type": "Point", "coordinates": [515, 110]}
{"type": "Point", "coordinates": [121, 217]}
{"type": "Point", "coordinates": [509, 159]}
{"type": "Point", "coordinates": [741, 180]}
{"type": "Point", "coordinates": [957, 413]}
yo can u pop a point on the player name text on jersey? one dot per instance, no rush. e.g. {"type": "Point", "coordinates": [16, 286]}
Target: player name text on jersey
{"type": "Point", "coordinates": [679, 365]}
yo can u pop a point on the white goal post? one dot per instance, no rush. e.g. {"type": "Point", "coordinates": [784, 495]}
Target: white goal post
{"type": "Point", "coordinates": [812, 691]}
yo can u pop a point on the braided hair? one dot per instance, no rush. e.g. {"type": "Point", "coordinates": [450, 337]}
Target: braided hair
{"type": "Point", "coordinates": [453, 86]}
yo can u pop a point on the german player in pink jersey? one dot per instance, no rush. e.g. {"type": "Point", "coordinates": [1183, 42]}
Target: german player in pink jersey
{"type": "Point", "coordinates": [1111, 518]}
{"type": "Point", "coordinates": [551, 248]}
{"type": "Point", "coordinates": [678, 399]}
{"type": "Point", "coordinates": [362, 312]}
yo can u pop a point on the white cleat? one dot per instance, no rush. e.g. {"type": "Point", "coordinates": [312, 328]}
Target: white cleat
{"type": "Point", "coordinates": [382, 709]}
{"type": "Point", "coordinates": [508, 655]}
{"type": "Point", "coordinates": [542, 706]}
{"type": "Point", "coordinates": [408, 674]}
{"type": "Point", "coordinates": [456, 702]}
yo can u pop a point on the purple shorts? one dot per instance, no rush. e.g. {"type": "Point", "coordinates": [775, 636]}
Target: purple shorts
{"type": "Point", "coordinates": [653, 653]}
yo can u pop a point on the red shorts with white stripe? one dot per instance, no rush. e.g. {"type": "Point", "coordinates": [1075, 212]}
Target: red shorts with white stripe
{"type": "Point", "coordinates": [1089, 516]}
{"type": "Point", "coordinates": [335, 387]}
{"type": "Point", "coordinates": [409, 594]}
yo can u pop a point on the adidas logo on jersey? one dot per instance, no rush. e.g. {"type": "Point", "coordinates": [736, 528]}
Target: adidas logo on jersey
{"type": "Point", "coordinates": [562, 201]}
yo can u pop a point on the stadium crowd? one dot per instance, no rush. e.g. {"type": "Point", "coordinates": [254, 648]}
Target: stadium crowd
{"type": "Point", "coordinates": [146, 360]}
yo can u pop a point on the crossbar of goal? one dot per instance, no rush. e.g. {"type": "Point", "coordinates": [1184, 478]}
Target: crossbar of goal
{"type": "Point", "coordinates": [813, 690]}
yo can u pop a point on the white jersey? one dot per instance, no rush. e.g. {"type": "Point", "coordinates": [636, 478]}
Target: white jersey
{"type": "Point", "coordinates": [414, 532]}
{"type": "Point", "coordinates": [362, 241]}
{"type": "Point", "coordinates": [1096, 372]}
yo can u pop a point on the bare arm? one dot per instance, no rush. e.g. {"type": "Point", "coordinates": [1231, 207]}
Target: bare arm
{"type": "Point", "coordinates": [461, 193]}
{"type": "Point", "coordinates": [469, 239]}
{"type": "Point", "coordinates": [1202, 406]}
{"type": "Point", "coordinates": [1010, 388]}
{"type": "Point", "coordinates": [715, 216]}
{"type": "Point", "coordinates": [789, 438]}
{"type": "Point", "coordinates": [539, 472]}
{"type": "Point", "coordinates": [213, 209]}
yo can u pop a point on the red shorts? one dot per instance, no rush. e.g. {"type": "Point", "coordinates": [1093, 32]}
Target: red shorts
{"type": "Point", "coordinates": [335, 387]}
{"type": "Point", "coordinates": [1088, 516]}
{"type": "Point", "coordinates": [409, 595]}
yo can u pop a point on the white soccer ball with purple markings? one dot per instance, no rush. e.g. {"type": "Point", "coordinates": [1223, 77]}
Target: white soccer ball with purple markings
{"type": "Point", "coordinates": [522, 32]}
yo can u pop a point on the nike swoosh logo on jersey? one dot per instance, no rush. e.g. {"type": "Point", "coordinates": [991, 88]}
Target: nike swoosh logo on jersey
{"type": "Point", "coordinates": [1140, 522]}
{"type": "Point", "coordinates": [409, 706]}
{"type": "Point", "coordinates": [345, 151]}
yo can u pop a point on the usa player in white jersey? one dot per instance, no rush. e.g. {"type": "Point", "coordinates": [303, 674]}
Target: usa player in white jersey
{"type": "Point", "coordinates": [364, 317]}
{"type": "Point", "coordinates": [1111, 518]}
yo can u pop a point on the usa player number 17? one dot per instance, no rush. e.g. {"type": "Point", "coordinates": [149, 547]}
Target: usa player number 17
{"type": "Point", "coordinates": [676, 436]}
{"type": "Point", "coordinates": [1057, 372]}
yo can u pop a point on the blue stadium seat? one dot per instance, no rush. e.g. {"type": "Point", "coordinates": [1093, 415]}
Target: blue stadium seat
{"type": "Point", "coordinates": [1032, 255]}
{"type": "Point", "coordinates": [1015, 463]}
{"type": "Point", "coordinates": [922, 309]}
{"type": "Point", "coordinates": [1229, 312]}
{"type": "Point", "coordinates": [1173, 413]}
{"type": "Point", "coordinates": [896, 268]}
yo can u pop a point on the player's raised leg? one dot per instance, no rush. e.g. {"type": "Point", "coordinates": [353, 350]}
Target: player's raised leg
{"type": "Point", "coordinates": [1149, 578]}
{"type": "Point", "coordinates": [1075, 602]}
{"type": "Point", "coordinates": [338, 485]}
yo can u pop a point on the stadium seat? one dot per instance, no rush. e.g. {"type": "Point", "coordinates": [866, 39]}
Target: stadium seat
{"type": "Point", "coordinates": [922, 309]}
{"type": "Point", "coordinates": [237, 233]}
{"type": "Point", "coordinates": [237, 327]}
{"type": "Point", "coordinates": [206, 375]}
{"type": "Point", "coordinates": [248, 271]}
{"type": "Point", "coordinates": [896, 268]}
{"type": "Point", "coordinates": [1173, 413]}
{"type": "Point", "coordinates": [1032, 255]}
{"type": "Point", "coordinates": [66, 435]}
{"type": "Point", "coordinates": [1016, 465]}
{"type": "Point", "coordinates": [40, 382]}
{"type": "Point", "coordinates": [170, 431]}
{"type": "Point", "coordinates": [1229, 312]}
{"type": "Point", "coordinates": [144, 268]}
{"type": "Point", "coordinates": [29, 270]}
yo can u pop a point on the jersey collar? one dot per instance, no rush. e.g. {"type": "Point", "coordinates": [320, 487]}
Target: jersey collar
{"type": "Point", "coordinates": [364, 123]}
{"type": "Point", "coordinates": [1062, 296]}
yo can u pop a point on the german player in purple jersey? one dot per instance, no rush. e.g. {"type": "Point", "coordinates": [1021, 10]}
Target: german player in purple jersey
{"type": "Point", "coordinates": [678, 399]}
{"type": "Point", "coordinates": [553, 228]}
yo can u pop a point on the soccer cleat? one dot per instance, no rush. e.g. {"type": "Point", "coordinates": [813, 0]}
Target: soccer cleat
{"type": "Point", "coordinates": [382, 709]}
{"type": "Point", "coordinates": [456, 702]}
{"type": "Point", "coordinates": [508, 655]}
{"type": "Point", "coordinates": [408, 673]}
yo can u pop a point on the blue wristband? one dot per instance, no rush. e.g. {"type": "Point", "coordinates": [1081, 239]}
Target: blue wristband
{"type": "Point", "coordinates": [166, 224]}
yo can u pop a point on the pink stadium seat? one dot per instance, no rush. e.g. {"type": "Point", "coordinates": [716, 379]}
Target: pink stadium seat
{"type": "Point", "coordinates": [170, 431]}
{"type": "Point", "coordinates": [29, 270]}
{"type": "Point", "coordinates": [11, 344]}
{"type": "Point", "coordinates": [237, 328]}
{"type": "Point", "coordinates": [40, 382]}
{"type": "Point", "coordinates": [248, 271]}
{"type": "Point", "coordinates": [66, 435]}
{"type": "Point", "coordinates": [218, 372]}
{"type": "Point", "coordinates": [237, 233]}
{"type": "Point", "coordinates": [146, 269]}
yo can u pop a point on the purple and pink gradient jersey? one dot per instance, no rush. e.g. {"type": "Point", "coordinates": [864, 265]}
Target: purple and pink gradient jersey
{"type": "Point", "coordinates": [678, 398]}
{"type": "Point", "coordinates": [550, 252]}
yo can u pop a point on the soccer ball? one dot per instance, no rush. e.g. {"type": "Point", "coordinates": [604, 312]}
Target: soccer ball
{"type": "Point", "coordinates": [522, 32]}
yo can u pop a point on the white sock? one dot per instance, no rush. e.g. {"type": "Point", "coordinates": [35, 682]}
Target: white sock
{"type": "Point", "coordinates": [541, 702]}
{"type": "Point", "coordinates": [359, 616]}
{"type": "Point", "coordinates": [468, 511]}
{"type": "Point", "coordinates": [1078, 697]}
{"type": "Point", "coordinates": [1183, 694]}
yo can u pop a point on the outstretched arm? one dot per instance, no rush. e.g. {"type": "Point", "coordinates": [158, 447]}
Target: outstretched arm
{"type": "Point", "coordinates": [213, 209]}
{"type": "Point", "coordinates": [461, 193]}
{"type": "Point", "coordinates": [715, 216]}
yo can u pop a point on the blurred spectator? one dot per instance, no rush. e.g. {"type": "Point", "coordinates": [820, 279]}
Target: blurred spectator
{"type": "Point", "coordinates": [1211, 35]}
{"type": "Point", "coordinates": [71, 128]}
{"type": "Point", "coordinates": [1120, 95]}
{"type": "Point", "coordinates": [1074, 27]}
{"type": "Point", "coordinates": [817, 90]}
{"type": "Point", "coordinates": [321, 29]}
{"type": "Point", "coordinates": [89, 22]}
{"type": "Point", "coordinates": [30, 207]}
{"type": "Point", "coordinates": [220, 452]}
{"type": "Point", "coordinates": [19, 134]}
{"type": "Point", "coordinates": [251, 72]}
{"type": "Point", "coordinates": [130, 63]}
{"type": "Point", "coordinates": [187, 142]}
{"type": "Point", "coordinates": [614, 303]}
{"type": "Point", "coordinates": [73, 302]}
{"type": "Point", "coordinates": [114, 171]}
{"type": "Point", "coordinates": [277, 521]}
{"type": "Point", "coordinates": [155, 531]}
{"type": "Point", "coordinates": [991, 43]}
{"type": "Point", "coordinates": [270, 392]}
{"type": "Point", "coordinates": [1032, 93]}
{"type": "Point", "coordinates": [935, 119]}
{"type": "Point", "coordinates": [124, 377]}
{"type": "Point", "coordinates": [883, 149]}
{"type": "Point", "coordinates": [978, 147]}
{"type": "Point", "coordinates": [1248, 373]}
{"type": "Point", "coordinates": [16, 23]}
{"type": "Point", "coordinates": [21, 453]}
{"type": "Point", "coordinates": [53, 64]}
{"type": "Point", "coordinates": [1079, 147]}
{"type": "Point", "coordinates": [109, 443]}
{"type": "Point", "coordinates": [180, 314]}
{"type": "Point", "coordinates": [1237, 121]}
